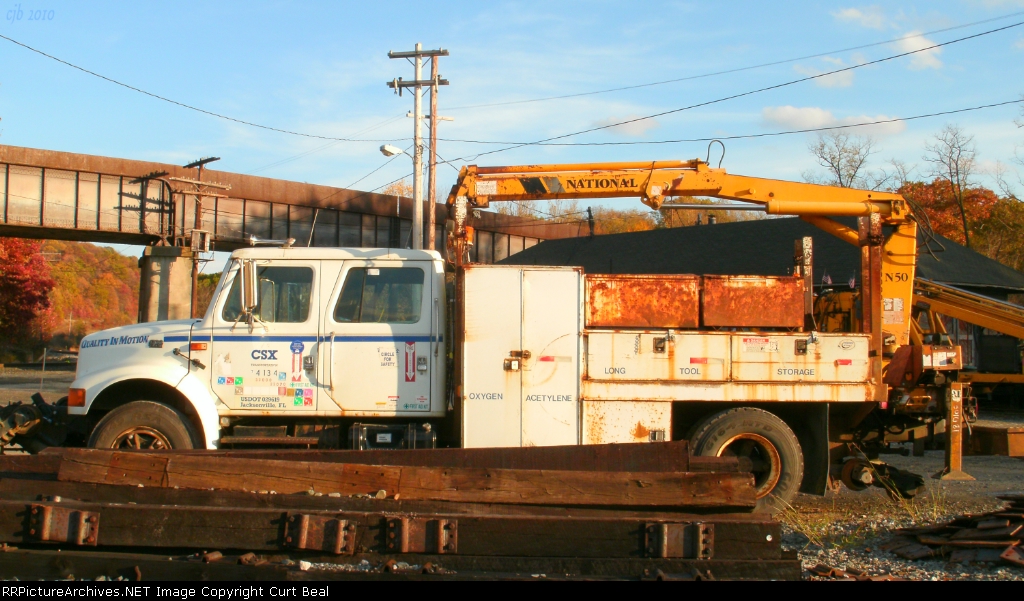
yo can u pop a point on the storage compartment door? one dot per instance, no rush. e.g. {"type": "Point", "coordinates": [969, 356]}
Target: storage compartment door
{"type": "Point", "coordinates": [491, 395]}
{"type": "Point", "coordinates": [552, 305]}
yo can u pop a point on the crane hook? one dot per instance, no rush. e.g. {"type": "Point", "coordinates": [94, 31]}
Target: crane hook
{"type": "Point", "coordinates": [722, 158]}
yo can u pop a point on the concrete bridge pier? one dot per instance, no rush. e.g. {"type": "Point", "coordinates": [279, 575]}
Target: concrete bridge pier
{"type": "Point", "coordinates": [165, 285]}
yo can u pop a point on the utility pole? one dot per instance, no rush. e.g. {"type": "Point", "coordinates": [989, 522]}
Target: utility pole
{"type": "Point", "coordinates": [432, 177]}
{"type": "Point", "coordinates": [416, 84]}
{"type": "Point", "coordinates": [199, 242]}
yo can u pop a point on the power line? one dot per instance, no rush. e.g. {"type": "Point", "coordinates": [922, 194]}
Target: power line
{"type": "Point", "coordinates": [325, 146]}
{"type": "Point", "coordinates": [749, 92]}
{"type": "Point", "coordinates": [350, 139]}
{"type": "Point", "coordinates": [762, 135]}
{"type": "Point", "coordinates": [182, 104]}
{"type": "Point", "coordinates": [738, 69]}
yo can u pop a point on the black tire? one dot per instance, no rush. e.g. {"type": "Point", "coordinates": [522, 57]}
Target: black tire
{"type": "Point", "coordinates": [143, 425]}
{"type": "Point", "coordinates": [766, 439]}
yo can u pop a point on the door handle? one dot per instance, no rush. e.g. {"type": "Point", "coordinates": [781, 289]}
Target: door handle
{"type": "Point", "coordinates": [330, 366]}
{"type": "Point", "coordinates": [435, 326]}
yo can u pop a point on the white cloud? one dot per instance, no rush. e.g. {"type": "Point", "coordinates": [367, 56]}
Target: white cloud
{"type": "Point", "coordinates": [635, 129]}
{"type": "Point", "coordinates": [871, 17]}
{"type": "Point", "coordinates": [798, 118]}
{"type": "Point", "coordinates": [812, 117]}
{"type": "Point", "coordinates": [836, 80]}
{"type": "Point", "coordinates": [1020, 44]}
{"type": "Point", "coordinates": [929, 59]}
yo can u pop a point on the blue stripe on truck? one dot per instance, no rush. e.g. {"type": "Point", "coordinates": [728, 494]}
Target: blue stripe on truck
{"type": "Point", "coordinates": [243, 338]}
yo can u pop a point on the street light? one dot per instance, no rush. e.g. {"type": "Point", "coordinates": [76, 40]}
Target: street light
{"type": "Point", "coordinates": [390, 151]}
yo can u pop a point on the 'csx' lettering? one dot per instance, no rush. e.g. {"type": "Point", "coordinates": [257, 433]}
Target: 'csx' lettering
{"type": "Point", "coordinates": [264, 355]}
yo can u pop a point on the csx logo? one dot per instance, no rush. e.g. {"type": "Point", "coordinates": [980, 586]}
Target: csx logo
{"type": "Point", "coordinates": [264, 355]}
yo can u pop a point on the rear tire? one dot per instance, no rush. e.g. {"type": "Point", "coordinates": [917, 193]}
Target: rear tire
{"type": "Point", "coordinates": [762, 437]}
{"type": "Point", "coordinates": [143, 425]}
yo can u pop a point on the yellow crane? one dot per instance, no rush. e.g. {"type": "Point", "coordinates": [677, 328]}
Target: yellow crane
{"type": "Point", "coordinates": [913, 382]}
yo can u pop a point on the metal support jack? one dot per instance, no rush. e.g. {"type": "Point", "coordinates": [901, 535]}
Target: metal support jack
{"type": "Point", "coordinates": [954, 435]}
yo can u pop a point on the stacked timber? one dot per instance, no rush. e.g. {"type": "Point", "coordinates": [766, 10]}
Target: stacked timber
{"type": "Point", "coordinates": [610, 511]}
{"type": "Point", "coordinates": [986, 538]}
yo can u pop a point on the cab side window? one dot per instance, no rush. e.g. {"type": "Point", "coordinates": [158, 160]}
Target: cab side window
{"type": "Point", "coordinates": [284, 295]}
{"type": "Point", "coordinates": [381, 295]}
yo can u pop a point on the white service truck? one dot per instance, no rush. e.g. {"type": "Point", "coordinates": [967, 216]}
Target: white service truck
{"type": "Point", "coordinates": [381, 348]}
{"type": "Point", "coordinates": [386, 348]}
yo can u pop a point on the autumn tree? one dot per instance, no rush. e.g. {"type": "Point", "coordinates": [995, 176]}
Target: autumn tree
{"type": "Point", "coordinates": [669, 217]}
{"type": "Point", "coordinates": [844, 157]}
{"type": "Point", "coordinates": [620, 221]}
{"type": "Point", "coordinates": [401, 188]}
{"type": "Point", "coordinates": [953, 158]}
{"type": "Point", "coordinates": [25, 285]}
{"type": "Point", "coordinates": [95, 288]}
{"type": "Point", "coordinates": [207, 285]}
{"type": "Point", "coordinates": [945, 210]}
{"type": "Point", "coordinates": [1001, 235]}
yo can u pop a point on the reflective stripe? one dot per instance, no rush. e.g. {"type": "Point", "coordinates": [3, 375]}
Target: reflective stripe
{"type": "Point", "coordinates": [240, 338]}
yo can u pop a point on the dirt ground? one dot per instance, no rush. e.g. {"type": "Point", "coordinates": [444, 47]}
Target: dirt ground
{"type": "Point", "coordinates": [19, 384]}
{"type": "Point", "coordinates": [844, 529]}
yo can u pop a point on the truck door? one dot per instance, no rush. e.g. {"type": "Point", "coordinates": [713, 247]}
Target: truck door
{"type": "Point", "coordinates": [272, 367]}
{"type": "Point", "coordinates": [520, 355]}
{"type": "Point", "coordinates": [551, 333]}
{"type": "Point", "coordinates": [378, 325]}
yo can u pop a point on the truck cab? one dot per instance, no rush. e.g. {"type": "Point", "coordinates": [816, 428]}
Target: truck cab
{"type": "Point", "coordinates": [293, 339]}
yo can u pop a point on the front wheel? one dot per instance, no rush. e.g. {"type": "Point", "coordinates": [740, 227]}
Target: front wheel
{"type": "Point", "coordinates": [143, 425]}
{"type": "Point", "coordinates": [764, 439]}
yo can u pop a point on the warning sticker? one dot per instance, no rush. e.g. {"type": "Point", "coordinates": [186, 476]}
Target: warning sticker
{"type": "Point", "coordinates": [389, 404]}
{"type": "Point", "coordinates": [388, 356]}
{"type": "Point", "coordinates": [760, 345]}
{"type": "Point", "coordinates": [892, 310]}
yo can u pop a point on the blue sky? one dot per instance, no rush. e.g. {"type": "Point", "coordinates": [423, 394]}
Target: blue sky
{"type": "Point", "coordinates": [321, 68]}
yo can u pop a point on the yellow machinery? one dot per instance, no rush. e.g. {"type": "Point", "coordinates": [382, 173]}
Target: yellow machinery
{"type": "Point", "coordinates": [914, 380]}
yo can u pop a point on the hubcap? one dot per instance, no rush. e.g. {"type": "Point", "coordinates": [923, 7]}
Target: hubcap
{"type": "Point", "coordinates": [141, 437]}
{"type": "Point", "coordinates": [767, 465]}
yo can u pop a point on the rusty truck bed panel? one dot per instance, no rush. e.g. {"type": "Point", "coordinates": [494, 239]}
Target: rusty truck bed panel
{"type": "Point", "coordinates": [755, 357]}
{"type": "Point", "coordinates": [727, 391]}
{"type": "Point", "coordinates": [606, 422]}
{"type": "Point", "coordinates": [800, 358]}
{"type": "Point", "coordinates": [649, 356]}
{"type": "Point", "coordinates": [753, 302]}
{"type": "Point", "coordinates": [643, 301]}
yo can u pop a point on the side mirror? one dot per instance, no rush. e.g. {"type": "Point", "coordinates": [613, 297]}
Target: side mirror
{"type": "Point", "coordinates": [250, 287]}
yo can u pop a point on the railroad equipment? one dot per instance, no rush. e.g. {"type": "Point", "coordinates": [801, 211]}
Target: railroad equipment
{"type": "Point", "coordinates": [392, 348]}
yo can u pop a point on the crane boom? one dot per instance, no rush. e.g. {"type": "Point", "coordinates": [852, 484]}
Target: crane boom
{"type": "Point", "coordinates": [654, 181]}
{"type": "Point", "coordinates": [887, 262]}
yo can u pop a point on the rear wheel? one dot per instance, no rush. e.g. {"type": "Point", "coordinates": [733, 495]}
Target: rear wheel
{"type": "Point", "coordinates": [143, 425]}
{"type": "Point", "coordinates": [764, 439]}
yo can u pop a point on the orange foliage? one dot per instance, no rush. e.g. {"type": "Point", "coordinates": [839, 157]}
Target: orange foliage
{"type": "Point", "coordinates": [940, 204]}
{"type": "Point", "coordinates": [96, 288]}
